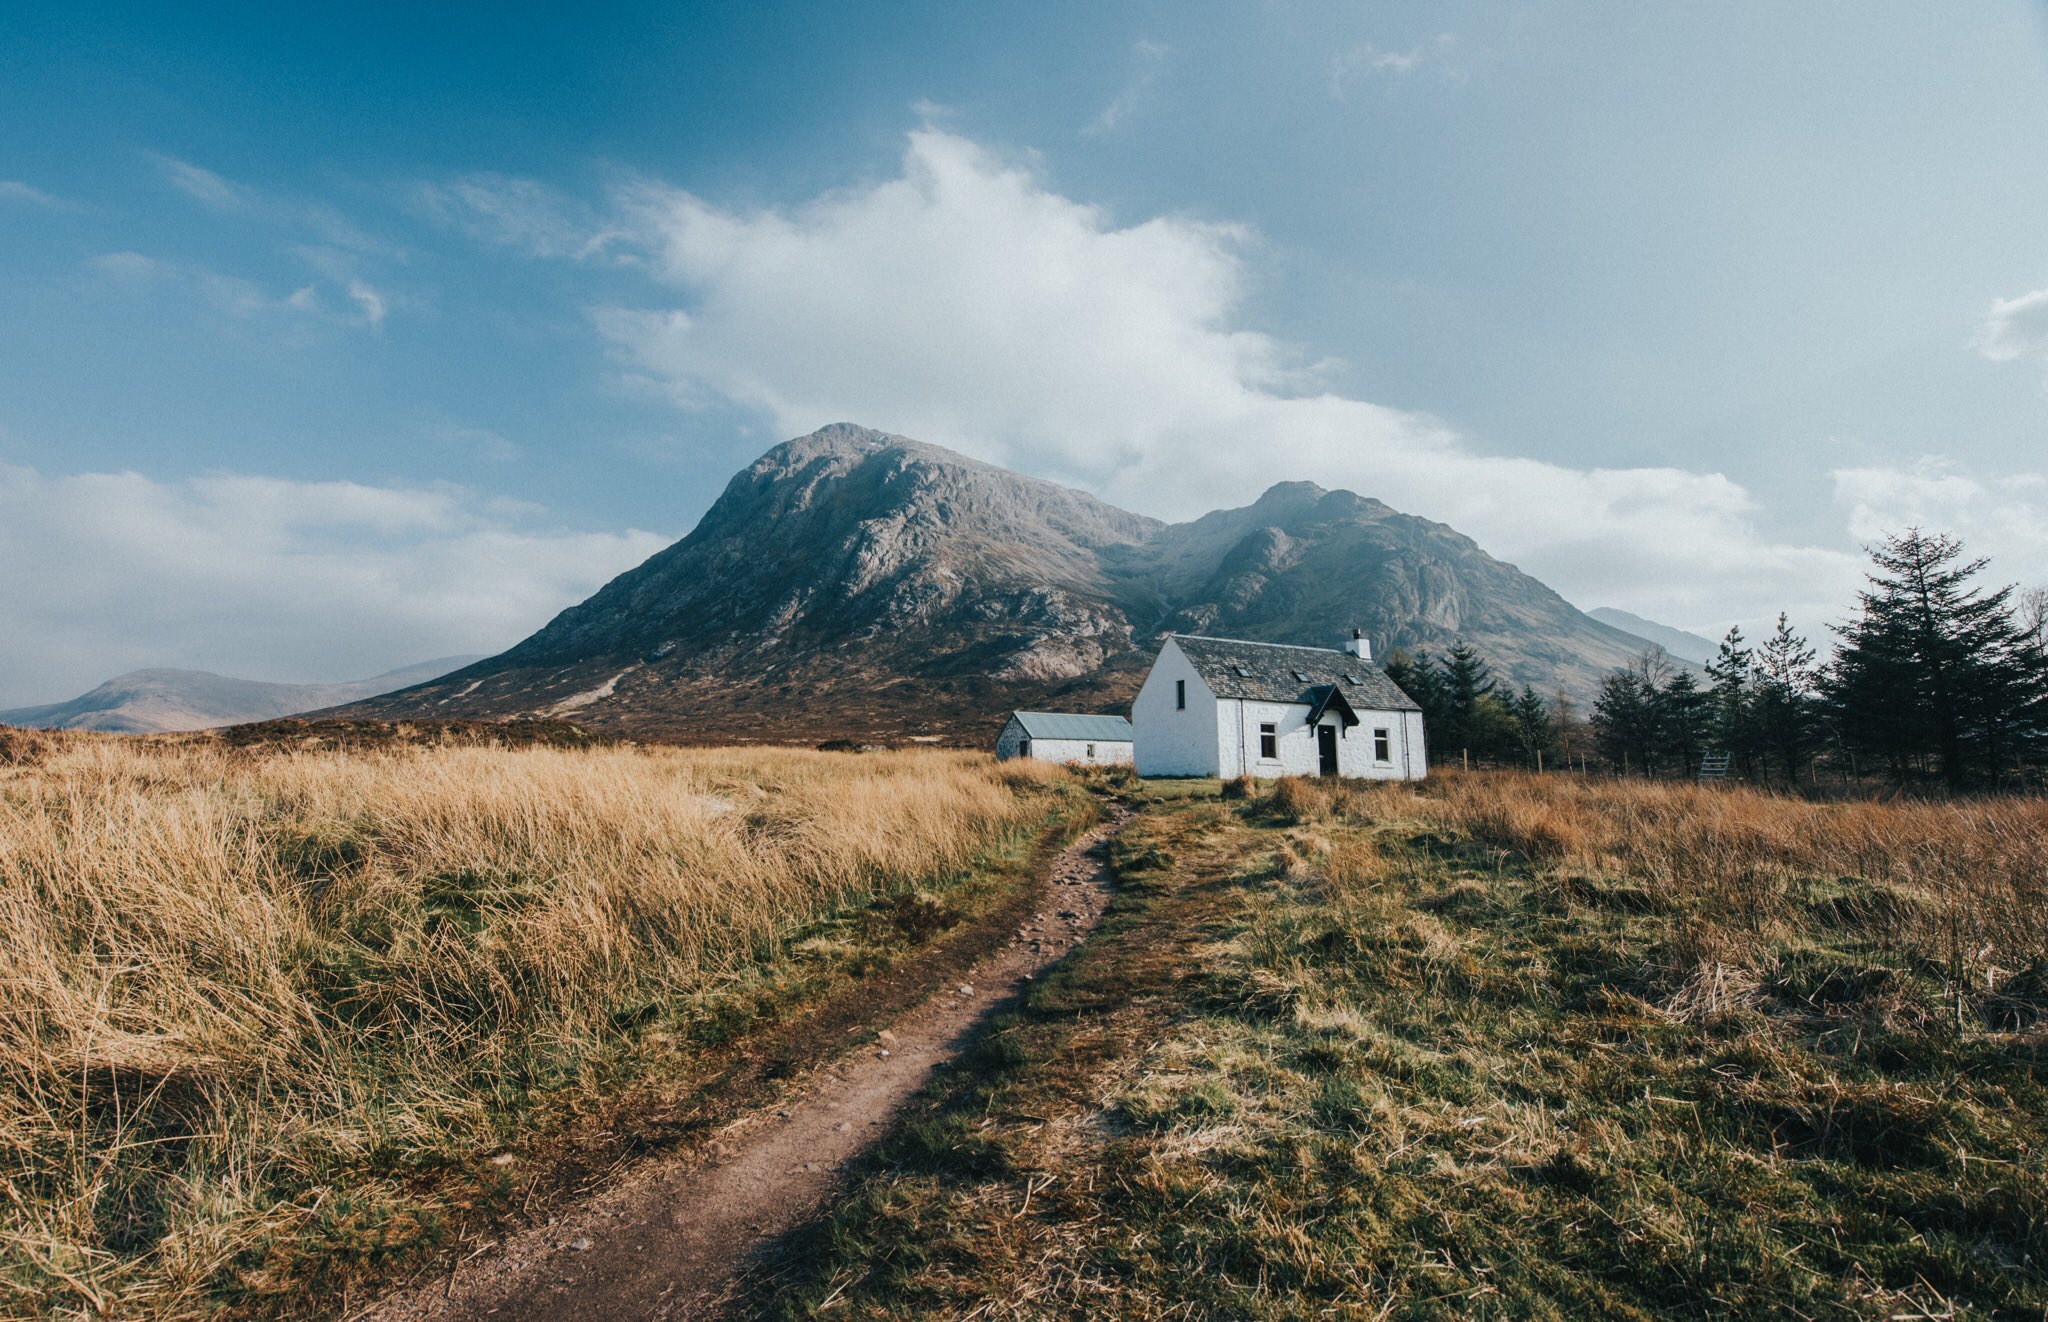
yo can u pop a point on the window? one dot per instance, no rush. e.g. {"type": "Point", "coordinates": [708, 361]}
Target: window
{"type": "Point", "coordinates": [1180, 694]}
{"type": "Point", "coordinates": [1024, 748]}
{"type": "Point", "coordinates": [1382, 746]}
{"type": "Point", "coordinates": [1351, 679]}
{"type": "Point", "coordinates": [1242, 673]}
{"type": "Point", "coordinates": [1269, 742]}
{"type": "Point", "coordinates": [1091, 752]}
{"type": "Point", "coordinates": [1301, 675]}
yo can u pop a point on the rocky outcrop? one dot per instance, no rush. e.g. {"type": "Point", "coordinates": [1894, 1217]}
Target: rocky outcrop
{"type": "Point", "coordinates": [856, 584]}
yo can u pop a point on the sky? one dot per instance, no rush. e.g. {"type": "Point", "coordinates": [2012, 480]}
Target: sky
{"type": "Point", "coordinates": [335, 338]}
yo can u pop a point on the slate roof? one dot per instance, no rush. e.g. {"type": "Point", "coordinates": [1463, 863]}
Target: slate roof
{"type": "Point", "coordinates": [1278, 672]}
{"type": "Point", "coordinates": [1073, 725]}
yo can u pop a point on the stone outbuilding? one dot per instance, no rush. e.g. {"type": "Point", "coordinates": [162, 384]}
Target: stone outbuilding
{"type": "Point", "coordinates": [1069, 737]}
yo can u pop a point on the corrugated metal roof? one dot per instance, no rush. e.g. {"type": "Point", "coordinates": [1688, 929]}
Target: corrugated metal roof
{"type": "Point", "coordinates": [1271, 672]}
{"type": "Point", "coordinates": [1073, 725]}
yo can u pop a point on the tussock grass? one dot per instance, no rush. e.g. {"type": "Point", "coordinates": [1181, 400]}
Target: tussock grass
{"type": "Point", "coordinates": [1961, 888]}
{"type": "Point", "coordinates": [1503, 1046]}
{"type": "Point", "coordinates": [254, 1001]}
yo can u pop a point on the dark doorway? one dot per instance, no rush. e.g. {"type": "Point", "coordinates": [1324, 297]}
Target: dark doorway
{"type": "Point", "coordinates": [1326, 746]}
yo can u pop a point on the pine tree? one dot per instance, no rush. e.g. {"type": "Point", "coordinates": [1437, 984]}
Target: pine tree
{"type": "Point", "coordinates": [1628, 716]}
{"type": "Point", "coordinates": [1686, 720]}
{"type": "Point", "coordinates": [1464, 682]}
{"type": "Point", "coordinates": [1784, 706]}
{"type": "Point", "coordinates": [1935, 672]}
{"type": "Point", "coordinates": [1535, 734]}
{"type": "Point", "coordinates": [1733, 676]}
{"type": "Point", "coordinates": [2033, 620]}
{"type": "Point", "coordinates": [1417, 677]}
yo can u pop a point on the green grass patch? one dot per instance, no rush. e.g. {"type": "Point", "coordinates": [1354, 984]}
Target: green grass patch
{"type": "Point", "coordinates": [1361, 1064]}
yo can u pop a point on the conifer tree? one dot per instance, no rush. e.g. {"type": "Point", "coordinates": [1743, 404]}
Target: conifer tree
{"type": "Point", "coordinates": [1628, 716]}
{"type": "Point", "coordinates": [1464, 682]}
{"type": "Point", "coordinates": [1416, 676]}
{"type": "Point", "coordinates": [1732, 674]}
{"type": "Point", "coordinates": [1784, 708]}
{"type": "Point", "coordinates": [1685, 720]}
{"type": "Point", "coordinates": [1533, 731]}
{"type": "Point", "coordinates": [1935, 672]}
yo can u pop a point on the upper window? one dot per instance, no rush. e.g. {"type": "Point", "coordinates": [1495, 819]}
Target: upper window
{"type": "Point", "coordinates": [1180, 693]}
{"type": "Point", "coordinates": [1382, 746]}
{"type": "Point", "coordinates": [1091, 752]}
{"type": "Point", "coordinates": [1269, 742]}
{"type": "Point", "coordinates": [1301, 675]}
{"type": "Point", "coordinates": [1351, 679]}
{"type": "Point", "coordinates": [1242, 673]}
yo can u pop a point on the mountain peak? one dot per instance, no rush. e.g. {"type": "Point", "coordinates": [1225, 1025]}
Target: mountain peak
{"type": "Point", "coordinates": [1289, 494]}
{"type": "Point", "coordinates": [860, 583]}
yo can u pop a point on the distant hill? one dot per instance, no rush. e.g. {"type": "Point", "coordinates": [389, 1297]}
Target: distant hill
{"type": "Point", "coordinates": [852, 583]}
{"type": "Point", "coordinates": [1685, 646]}
{"type": "Point", "coordinates": [161, 701]}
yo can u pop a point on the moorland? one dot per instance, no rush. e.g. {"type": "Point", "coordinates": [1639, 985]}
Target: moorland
{"type": "Point", "coordinates": [292, 1019]}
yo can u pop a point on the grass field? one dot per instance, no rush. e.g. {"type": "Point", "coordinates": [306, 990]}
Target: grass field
{"type": "Point", "coordinates": [1498, 1047]}
{"type": "Point", "coordinates": [268, 1014]}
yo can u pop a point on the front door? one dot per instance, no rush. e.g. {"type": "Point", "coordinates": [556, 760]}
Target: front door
{"type": "Point", "coordinates": [1326, 746]}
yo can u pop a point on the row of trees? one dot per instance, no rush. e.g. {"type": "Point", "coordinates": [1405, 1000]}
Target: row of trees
{"type": "Point", "coordinates": [1934, 678]}
{"type": "Point", "coordinates": [1466, 712]}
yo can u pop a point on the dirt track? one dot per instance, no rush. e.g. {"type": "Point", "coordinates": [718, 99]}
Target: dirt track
{"type": "Point", "coordinates": [667, 1241]}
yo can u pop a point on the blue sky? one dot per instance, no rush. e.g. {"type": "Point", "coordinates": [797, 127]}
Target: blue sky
{"type": "Point", "coordinates": [336, 338]}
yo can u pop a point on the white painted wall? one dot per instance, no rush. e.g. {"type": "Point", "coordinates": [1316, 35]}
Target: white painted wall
{"type": "Point", "coordinates": [1418, 761]}
{"type": "Point", "coordinates": [1171, 740]}
{"type": "Point", "coordinates": [1298, 752]}
{"type": "Point", "coordinates": [1074, 752]}
{"type": "Point", "coordinates": [1220, 736]}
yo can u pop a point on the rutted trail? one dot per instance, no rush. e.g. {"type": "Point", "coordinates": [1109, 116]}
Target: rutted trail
{"type": "Point", "coordinates": [669, 1238]}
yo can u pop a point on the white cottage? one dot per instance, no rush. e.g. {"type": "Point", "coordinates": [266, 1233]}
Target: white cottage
{"type": "Point", "coordinates": [1056, 736]}
{"type": "Point", "coordinates": [1221, 707]}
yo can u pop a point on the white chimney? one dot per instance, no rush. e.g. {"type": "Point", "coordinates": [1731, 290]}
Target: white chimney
{"type": "Point", "coordinates": [1359, 646]}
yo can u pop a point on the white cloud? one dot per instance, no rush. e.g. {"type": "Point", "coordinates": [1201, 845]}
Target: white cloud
{"type": "Point", "coordinates": [312, 232]}
{"type": "Point", "coordinates": [271, 578]}
{"type": "Point", "coordinates": [2016, 328]}
{"type": "Point", "coordinates": [272, 210]}
{"type": "Point", "coordinates": [203, 185]}
{"type": "Point", "coordinates": [233, 296]}
{"type": "Point", "coordinates": [522, 214]}
{"type": "Point", "coordinates": [1366, 60]}
{"type": "Point", "coordinates": [963, 302]}
{"type": "Point", "coordinates": [14, 190]}
{"type": "Point", "coordinates": [1151, 57]}
{"type": "Point", "coordinates": [2003, 518]}
{"type": "Point", "coordinates": [368, 300]}
{"type": "Point", "coordinates": [239, 298]}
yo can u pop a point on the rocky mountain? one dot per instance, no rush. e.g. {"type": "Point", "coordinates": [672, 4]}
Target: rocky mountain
{"type": "Point", "coordinates": [162, 701]}
{"type": "Point", "coordinates": [856, 584]}
{"type": "Point", "coordinates": [1685, 646]}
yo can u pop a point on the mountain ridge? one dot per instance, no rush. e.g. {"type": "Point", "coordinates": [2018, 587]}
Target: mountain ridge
{"type": "Point", "coordinates": [856, 584]}
{"type": "Point", "coordinates": [167, 700]}
{"type": "Point", "coordinates": [1678, 642]}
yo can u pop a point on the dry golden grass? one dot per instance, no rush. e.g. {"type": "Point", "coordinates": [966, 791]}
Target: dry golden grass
{"type": "Point", "coordinates": [1968, 879]}
{"type": "Point", "coordinates": [247, 996]}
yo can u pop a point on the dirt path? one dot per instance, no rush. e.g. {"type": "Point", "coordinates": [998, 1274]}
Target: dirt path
{"type": "Point", "coordinates": [667, 1241]}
